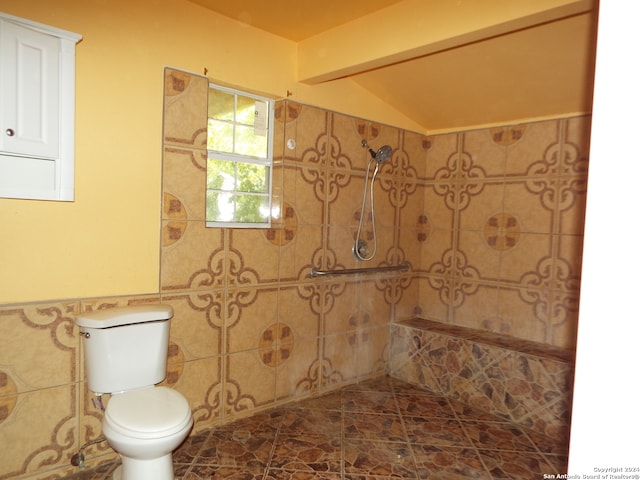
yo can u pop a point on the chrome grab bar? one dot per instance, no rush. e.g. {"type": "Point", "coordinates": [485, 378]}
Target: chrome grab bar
{"type": "Point", "coordinates": [349, 271]}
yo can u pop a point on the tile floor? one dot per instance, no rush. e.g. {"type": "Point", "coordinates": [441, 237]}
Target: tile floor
{"type": "Point", "coordinates": [376, 430]}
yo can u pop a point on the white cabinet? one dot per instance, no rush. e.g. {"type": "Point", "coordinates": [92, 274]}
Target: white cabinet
{"type": "Point", "coordinates": [37, 103]}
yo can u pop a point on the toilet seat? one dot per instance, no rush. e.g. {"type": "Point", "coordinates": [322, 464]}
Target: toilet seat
{"type": "Point", "coordinates": [152, 412]}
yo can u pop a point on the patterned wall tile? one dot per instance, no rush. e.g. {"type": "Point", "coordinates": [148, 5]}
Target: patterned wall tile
{"type": "Point", "coordinates": [347, 198]}
{"type": "Point", "coordinates": [39, 365]}
{"type": "Point", "coordinates": [434, 297]}
{"type": "Point", "coordinates": [339, 243]}
{"type": "Point", "coordinates": [409, 246]}
{"type": "Point", "coordinates": [478, 307]}
{"type": "Point", "coordinates": [35, 439]}
{"type": "Point", "coordinates": [303, 190]}
{"type": "Point", "coordinates": [439, 156]}
{"type": "Point", "coordinates": [413, 214]}
{"type": "Point", "coordinates": [252, 258]}
{"type": "Point", "coordinates": [526, 312]}
{"type": "Point", "coordinates": [524, 204]}
{"type": "Point", "coordinates": [197, 326]}
{"type": "Point", "coordinates": [343, 313]}
{"type": "Point", "coordinates": [386, 242]}
{"type": "Point", "coordinates": [572, 212]}
{"type": "Point", "coordinates": [439, 206]}
{"type": "Point", "coordinates": [202, 385]}
{"type": "Point", "coordinates": [310, 140]}
{"type": "Point", "coordinates": [302, 253]}
{"type": "Point", "coordinates": [412, 156]}
{"type": "Point", "coordinates": [192, 257]}
{"type": "Point", "coordinates": [528, 262]}
{"type": "Point", "coordinates": [484, 157]}
{"type": "Point", "coordinates": [529, 146]}
{"type": "Point", "coordinates": [376, 297]}
{"type": "Point", "coordinates": [185, 114]}
{"type": "Point", "coordinates": [388, 195]}
{"type": "Point", "coordinates": [184, 174]}
{"type": "Point", "coordinates": [564, 319]}
{"type": "Point", "coordinates": [348, 133]}
{"type": "Point", "coordinates": [486, 206]}
{"type": "Point", "coordinates": [344, 152]}
{"type": "Point", "coordinates": [480, 253]}
{"type": "Point", "coordinates": [41, 347]}
{"type": "Point", "coordinates": [251, 319]}
{"type": "Point", "coordinates": [407, 300]}
{"type": "Point", "coordinates": [298, 313]}
{"type": "Point", "coordinates": [299, 373]}
{"type": "Point", "coordinates": [373, 346]}
{"type": "Point", "coordinates": [520, 187]}
{"type": "Point", "coordinates": [340, 359]}
{"type": "Point", "coordinates": [249, 382]}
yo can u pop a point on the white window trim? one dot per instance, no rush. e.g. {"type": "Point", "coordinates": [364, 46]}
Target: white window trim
{"type": "Point", "coordinates": [268, 161]}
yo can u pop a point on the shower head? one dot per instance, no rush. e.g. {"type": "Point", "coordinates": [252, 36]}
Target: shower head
{"type": "Point", "coordinates": [382, 155]}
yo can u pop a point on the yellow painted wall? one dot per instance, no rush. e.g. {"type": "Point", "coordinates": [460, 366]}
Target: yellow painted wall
{"type": "Point", "coordinates": [107, 241]}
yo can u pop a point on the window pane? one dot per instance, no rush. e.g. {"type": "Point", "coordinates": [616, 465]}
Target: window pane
{"type": "Point", "coordinates": [252, 208]}
{"type": "Point", "coordinates": [220, 207]}
{"type": "Point", "coordinates": [221, 105]}
{"type": "Point", "coordinates": [248, 143]}
{"type": "Point", "coordinates": [221, 175]}
{"type": "Point", "coordinates": [220, 136]}
{"type": "Point", "coordinates": [246, 110]}
{"type": "Point", "coordinates": [252, 178]}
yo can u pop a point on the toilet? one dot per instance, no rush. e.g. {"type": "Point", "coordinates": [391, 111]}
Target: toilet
{"type": "Point", "coordinates": [125, 352]}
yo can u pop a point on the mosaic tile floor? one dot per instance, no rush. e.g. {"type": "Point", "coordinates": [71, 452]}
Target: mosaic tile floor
{"type": "Point", "coordinates": [376, 430]}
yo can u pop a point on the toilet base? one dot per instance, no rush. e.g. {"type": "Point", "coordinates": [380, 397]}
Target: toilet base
{"type": "Point", "coordinates": [137, 469]}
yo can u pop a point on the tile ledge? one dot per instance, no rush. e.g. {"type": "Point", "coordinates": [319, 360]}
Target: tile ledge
{"type": "Point", "coordinates": [527, 347]}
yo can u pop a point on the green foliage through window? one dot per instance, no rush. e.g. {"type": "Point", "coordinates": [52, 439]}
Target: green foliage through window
{"type": "Point", "coordinates": [239, 144]}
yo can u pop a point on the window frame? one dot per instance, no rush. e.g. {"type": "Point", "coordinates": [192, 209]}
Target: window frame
{"type": "Point", "coordinates": [244, 159]}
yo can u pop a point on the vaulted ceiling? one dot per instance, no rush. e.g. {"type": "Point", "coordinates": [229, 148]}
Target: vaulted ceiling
{"type": "Point", "coordinates": [444, 64]}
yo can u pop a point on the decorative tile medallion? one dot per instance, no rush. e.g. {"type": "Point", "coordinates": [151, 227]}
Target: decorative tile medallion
{"type": "Point", "coordinates": [8, 395]}
{"type": "Point", "coordinates": [502, 231]}
{"type": "Point", "coordinates": [285, 234]}
{"type": "Point", "coordinates": [276, 344]}
{"type": "Point", "coordinates": [507, 135]}
{"type": "Point", "coordinates": [423, 228]}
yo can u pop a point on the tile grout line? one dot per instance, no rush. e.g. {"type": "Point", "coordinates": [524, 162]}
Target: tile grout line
{"type": "Point", "coordinates": [343, 460]}
{"type": "Point", "coordinates": [405, 432]}
{"type": "Point", "coordinates": [472, 445]}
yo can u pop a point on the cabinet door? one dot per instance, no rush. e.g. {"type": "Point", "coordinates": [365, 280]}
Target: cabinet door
{"type": "Point", "coordinates": [29, 92]}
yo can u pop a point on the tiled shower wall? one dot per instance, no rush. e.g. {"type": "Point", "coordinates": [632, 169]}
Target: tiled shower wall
{"type": "Point", "coordinates": [251, 325]}
{"type": "Point", "coordinates": [503, 229]}
{"type": "Point", "coordinates": [490, 221]}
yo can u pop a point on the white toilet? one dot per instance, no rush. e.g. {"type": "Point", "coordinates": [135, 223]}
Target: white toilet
{"type": "Point", "coordinates": [125, 351]}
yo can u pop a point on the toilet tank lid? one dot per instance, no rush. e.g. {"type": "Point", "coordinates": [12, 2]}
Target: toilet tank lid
{"type": "Point", "coordinates": [114, 317]}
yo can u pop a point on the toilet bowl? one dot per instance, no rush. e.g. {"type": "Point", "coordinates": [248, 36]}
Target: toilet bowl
{"type": "Point", "coordinates": [144, 426]}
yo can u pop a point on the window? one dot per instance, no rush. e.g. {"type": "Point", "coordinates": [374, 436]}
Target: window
{"type": "Point", "coordinates": [239, 160]}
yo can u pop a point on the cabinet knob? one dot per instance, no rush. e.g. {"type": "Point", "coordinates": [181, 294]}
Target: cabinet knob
{"type": "Point", "coordinates": [10, 132]}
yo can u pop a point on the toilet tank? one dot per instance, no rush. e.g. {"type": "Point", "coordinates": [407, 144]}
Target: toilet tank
{"type": "Point", "coordinates": [125, 348]}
